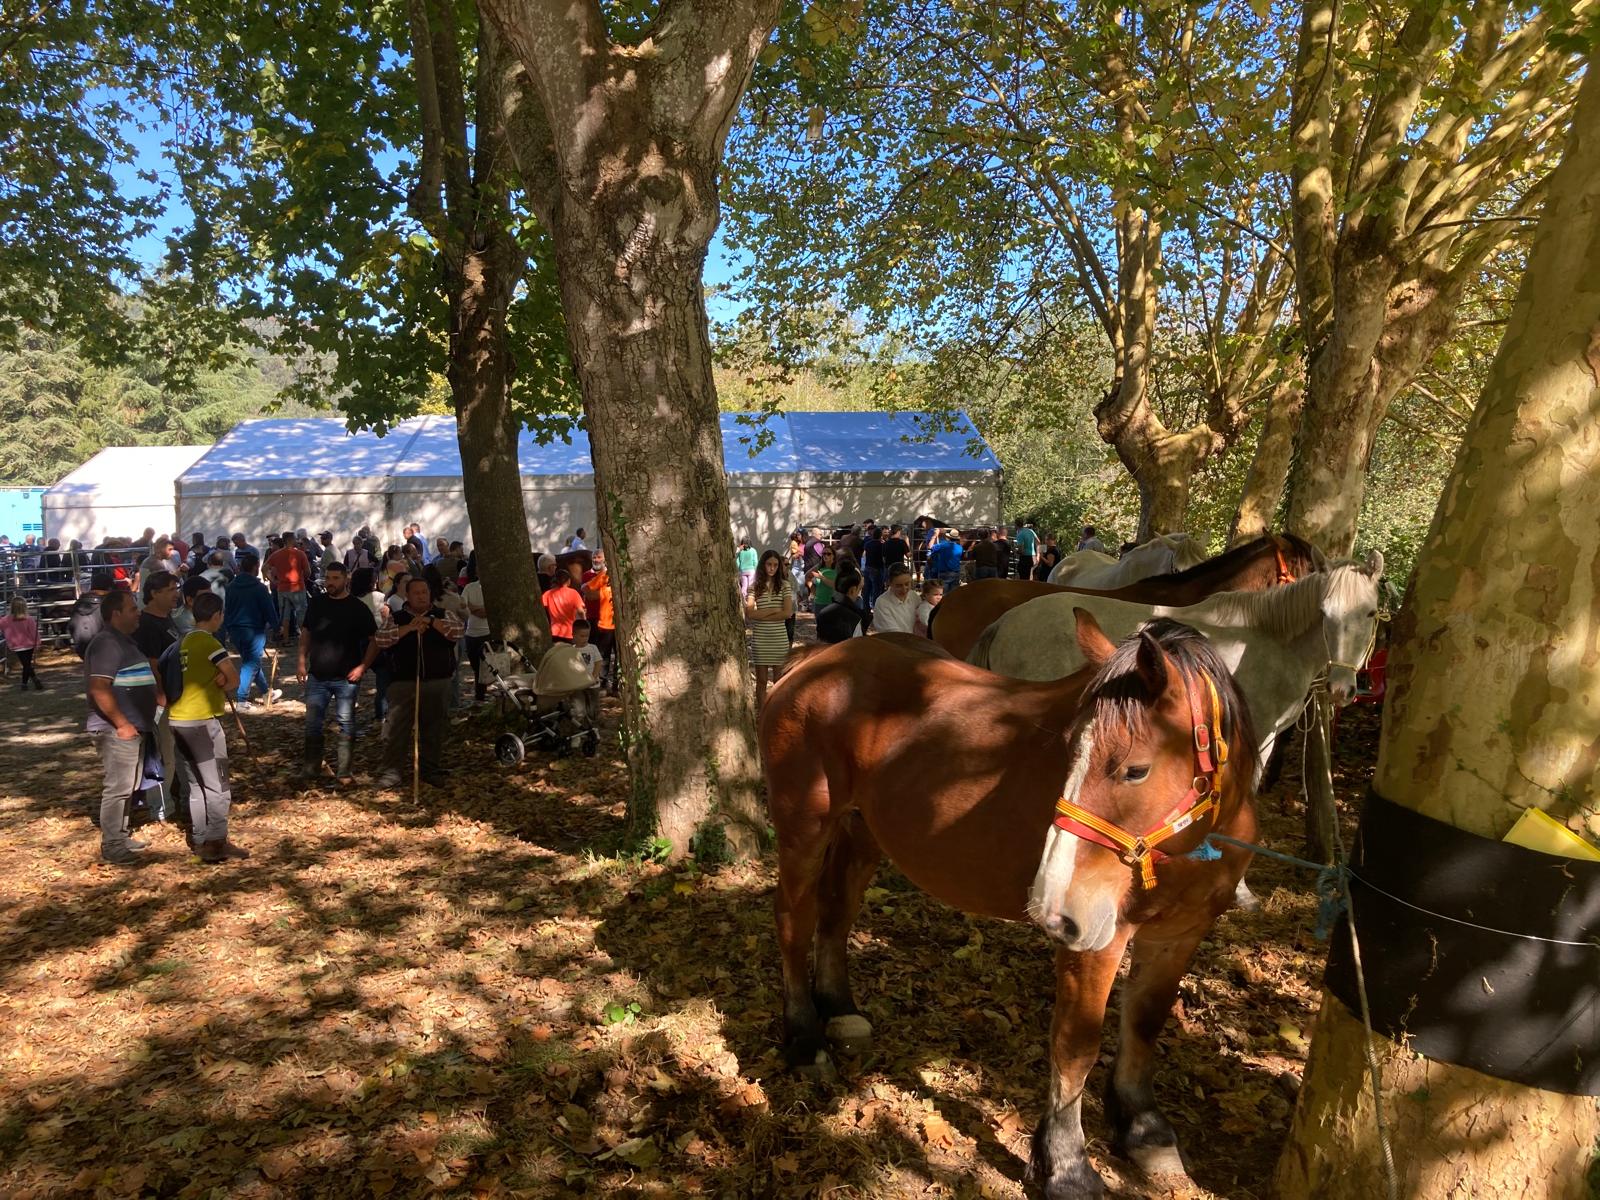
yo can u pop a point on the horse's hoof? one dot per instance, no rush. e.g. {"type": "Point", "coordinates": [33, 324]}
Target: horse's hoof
{"type": "Point", "coordinates": [1244, 899]}
{"type": "Point", "coordinates": [1079, 1181]}
{"type": "Point", "coordinates": [1161, 1164]}
{"type": "Point", "coordinates": [819, 1070]}
{"type": "Point", "coordinates": [850, 1034]}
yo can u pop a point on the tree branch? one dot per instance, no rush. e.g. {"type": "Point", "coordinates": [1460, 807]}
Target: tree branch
{"type": "Point", "coordinates": [424, 200]}
{"type": "Point", "coordinates": [565, 53]}
{"type": "Point", "coordinates": [704, 52]}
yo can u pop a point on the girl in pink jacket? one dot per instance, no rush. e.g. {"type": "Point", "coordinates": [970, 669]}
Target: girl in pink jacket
{"type": "Point", "coordinates": [22, 638]}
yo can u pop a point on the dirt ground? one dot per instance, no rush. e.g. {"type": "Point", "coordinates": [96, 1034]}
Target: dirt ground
{"type": "Point", "coordinates": [477, 997]}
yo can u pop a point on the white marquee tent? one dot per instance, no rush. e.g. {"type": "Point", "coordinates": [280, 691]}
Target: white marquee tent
{"type": "Point", "coordinates": [818, 468]}
{"type": "Point", "coordinates": [119, 492]}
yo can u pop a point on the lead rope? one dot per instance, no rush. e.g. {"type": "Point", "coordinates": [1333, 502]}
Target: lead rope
{"type": "Point", "coordinates": [1391, 1179]}
{"type": "Point", "coordinates": [1333, 888]}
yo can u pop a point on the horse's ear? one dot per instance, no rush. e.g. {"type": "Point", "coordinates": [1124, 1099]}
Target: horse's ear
{"type": "Point", "coordinates": [1092, 643]}
{"type": "Point", "coordinates": [1151, 664]}
{"type": "Point", "coordinates": [1375, 563]}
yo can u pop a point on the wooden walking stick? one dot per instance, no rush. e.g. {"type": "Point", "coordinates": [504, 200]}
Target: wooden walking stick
{"type": "Point", "coordinates": [244, 737]}
{"type": "Point", "coordinates": [272, 677]}
{"type": "Point", "coordinates": [416, 725]}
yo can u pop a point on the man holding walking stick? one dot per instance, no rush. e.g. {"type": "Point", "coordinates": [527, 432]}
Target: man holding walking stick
{"type": "Point", "coordinates": [419, 695]}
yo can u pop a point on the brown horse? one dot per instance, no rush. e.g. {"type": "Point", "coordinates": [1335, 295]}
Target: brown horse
{"type": "Point", "coordinates": [1060, 825]}
{"type": "Point", "coordinates": [1254, 566]}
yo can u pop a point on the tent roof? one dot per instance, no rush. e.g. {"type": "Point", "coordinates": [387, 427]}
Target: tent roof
{"type": "Point", "coordinates": [280, 448]}
{"type": "Point", "coordinates": [425, 449]}
{"type": "Point", "coordinates": [125, 475]}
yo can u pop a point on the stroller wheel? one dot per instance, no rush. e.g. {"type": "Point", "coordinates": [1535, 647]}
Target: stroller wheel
{"type": "Point", "coordinates": [591, 744]}
{"type": "Point", "coordinates": [508, 749]}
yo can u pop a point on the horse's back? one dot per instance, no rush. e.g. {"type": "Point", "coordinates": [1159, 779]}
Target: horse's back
{"type": "Point", "coordinates": [1082, 565]}
{"type": "Point", "coordinates": [965, 613]}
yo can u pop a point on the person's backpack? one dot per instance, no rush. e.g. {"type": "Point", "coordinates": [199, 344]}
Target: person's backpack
{"type": "Point", "coordinates": [85, 622]}
{"type": "Point", "coordinates": [170, 669]}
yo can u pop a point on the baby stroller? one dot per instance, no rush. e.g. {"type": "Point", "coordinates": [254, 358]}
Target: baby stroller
{"type": "Point", "coordinates": [558, 705]}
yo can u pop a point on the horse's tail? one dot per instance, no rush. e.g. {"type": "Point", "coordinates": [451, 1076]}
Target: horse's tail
{"type": "Point", "coordinates": [933, 615]}
{"type": "Point", "coordinates": [978, 656]}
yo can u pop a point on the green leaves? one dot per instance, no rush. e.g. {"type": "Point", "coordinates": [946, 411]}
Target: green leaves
{"type": "Point", "coordinates": [618, 1013]}
{"type": "Point", "coordinates": [958, 202]}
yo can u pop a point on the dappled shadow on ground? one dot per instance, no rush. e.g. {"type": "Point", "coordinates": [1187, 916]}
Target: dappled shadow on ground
{"type": "Point", "coordinates": [458, 996]}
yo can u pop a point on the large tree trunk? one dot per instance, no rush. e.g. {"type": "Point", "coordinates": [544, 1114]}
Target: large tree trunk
{"type": "Point", "coordinates": [1161, 462]}
{"type": "Point", "coordinates": [1269, 469]}
{"type": "Point", "coordinates": [1507, 592]}
{"type": "Point", "coordinates": [618, 148]}
{"type": "Point", "coordinates": [1338, 420]}
{"type": "Point", "coordinates": [486, 429]}
{"type": "Point", "coordinates": [630, 270]}
{"type": "Point", "coordinates": [1386, 326]}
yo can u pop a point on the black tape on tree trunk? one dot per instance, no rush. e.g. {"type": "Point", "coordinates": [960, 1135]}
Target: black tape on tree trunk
{"type": "Point", "coordinates": [1476, 952]}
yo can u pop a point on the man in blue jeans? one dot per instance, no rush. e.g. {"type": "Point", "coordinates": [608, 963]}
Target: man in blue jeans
{"type": "Point", "coordinates": [249, 616]}
{"type": "Point", "coordinates": [336, 648]}
{"type": "Point", "coordinates": [944, 559]}
{"type": "Point", "coordinates": [124, 695]}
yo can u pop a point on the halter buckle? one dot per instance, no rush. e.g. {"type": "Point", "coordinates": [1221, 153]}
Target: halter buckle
{"type": "Point", "coordinates": [1202, 737]}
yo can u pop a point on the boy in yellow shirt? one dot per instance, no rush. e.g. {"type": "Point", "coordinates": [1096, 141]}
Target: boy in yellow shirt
{"type": "Point", "coordinates": [202, 746]}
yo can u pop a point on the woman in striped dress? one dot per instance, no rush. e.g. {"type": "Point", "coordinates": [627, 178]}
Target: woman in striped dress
{"type": "Point", "coordinates": [769, 604]}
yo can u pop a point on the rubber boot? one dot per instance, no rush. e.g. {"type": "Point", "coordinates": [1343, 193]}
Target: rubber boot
{"type": "Point", "coordinates": [342, 749]}
{"type": "Point", "coordinates": [311, 760]}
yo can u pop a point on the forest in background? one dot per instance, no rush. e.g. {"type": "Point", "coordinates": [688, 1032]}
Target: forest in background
{"type": "Point", "coordinates": [61, 409]}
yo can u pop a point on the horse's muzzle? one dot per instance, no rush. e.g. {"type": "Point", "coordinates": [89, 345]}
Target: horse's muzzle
{"type": "Point", "coordinates": [1084, 932]}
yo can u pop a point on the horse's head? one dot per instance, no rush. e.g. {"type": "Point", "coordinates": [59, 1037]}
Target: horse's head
{"type": "Point", "coordinates": [1350, 622]}
{"type": "Point", "coordinates": [1160, 726]}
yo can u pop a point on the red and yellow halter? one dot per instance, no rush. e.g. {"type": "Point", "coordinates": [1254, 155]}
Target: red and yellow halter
{"type": "Point", "coordinates": [1203, 798]}
{"type": "Point", "coordinates": [1285, 573]}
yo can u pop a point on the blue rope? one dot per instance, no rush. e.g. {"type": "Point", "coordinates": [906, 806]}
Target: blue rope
{"type": "Point", "coordinates": [1332, 889]}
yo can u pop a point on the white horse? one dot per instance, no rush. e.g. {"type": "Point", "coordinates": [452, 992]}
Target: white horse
{"type": "Point", "coordinates": [1275, 642]}
{"type": "Point", "coordinates": [1161, 555]}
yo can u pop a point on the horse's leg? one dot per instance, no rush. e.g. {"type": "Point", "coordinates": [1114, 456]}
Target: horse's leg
{"type": "Point", "coordinates": [1141, 1132]}
{"type": "Point", "coordinates": [853, 857]}
{"type": "Point", "coordinates": [1058, 1165]}
{"type": "Point", "coordinates": [801, 856]}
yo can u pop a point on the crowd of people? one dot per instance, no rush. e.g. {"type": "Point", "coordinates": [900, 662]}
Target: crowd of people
{"type": "Point", "coordinates": [178, 634]}
{"type": "Point", "coordinates": [870, 578]}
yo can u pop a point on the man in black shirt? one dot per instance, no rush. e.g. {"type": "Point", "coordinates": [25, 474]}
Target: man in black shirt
{"type": "Point", "coordinates": [157, 630]}
{"type": "Point", "coordinates": [1002, 553]}
{"type": "Point", "coordinates": [872, 563]}
{"type": "Point", "coordinates": [336, 648]}
{"type": "Point", "coordinates": [424, 656]}
{"type": "Point", "coordinates": [895, 549]}
{"type": "Point", "coordinates": [983, 556]}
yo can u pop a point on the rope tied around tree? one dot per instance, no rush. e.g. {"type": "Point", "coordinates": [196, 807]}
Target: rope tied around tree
{"type": "Point", "coordinates": [1333, 891]}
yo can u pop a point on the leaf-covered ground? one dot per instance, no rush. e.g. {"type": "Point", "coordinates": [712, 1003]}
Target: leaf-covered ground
{"type": "Point", "coordinates": [470, 998]}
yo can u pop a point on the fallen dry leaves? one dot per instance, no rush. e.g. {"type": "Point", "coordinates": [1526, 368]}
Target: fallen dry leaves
{"type": "Point", "coordinates": [473, 998]}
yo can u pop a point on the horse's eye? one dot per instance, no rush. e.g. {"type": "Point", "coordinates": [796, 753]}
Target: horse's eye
{"type": "Point", "coordinates": [1135, 774]}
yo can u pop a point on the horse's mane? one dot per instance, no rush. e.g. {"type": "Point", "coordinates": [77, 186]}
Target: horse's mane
{"type": "Point", "coordinates": [1289, 609]}
{"type": "Point", "coordinates": [1305, 550]}
{"type": "Point", "coordinates": [1115, 698]}
{"type": "Point", "coordinates": [1230, 560]}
